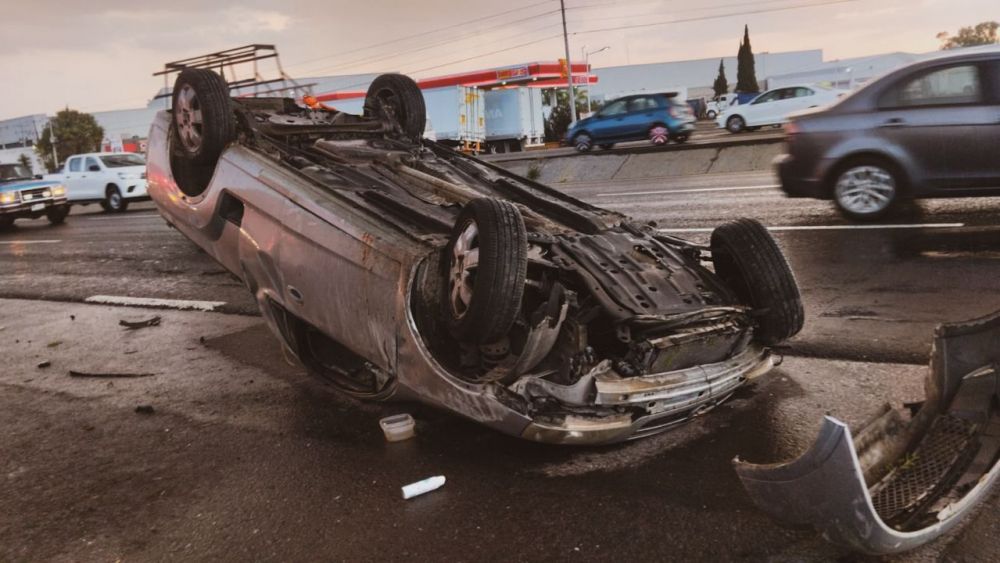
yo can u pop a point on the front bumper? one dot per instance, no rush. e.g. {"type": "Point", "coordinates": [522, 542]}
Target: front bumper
{"type": "Point", "coordinates": [664, 399]}
{"type": "Point", "coordinates": [31, 209]}
{"type": "Point", "coordinates": [796, 180]}
{"type": "Point", "coordinates": [134, 189]}
{"type": "Point", "coordinates": [898, 485]}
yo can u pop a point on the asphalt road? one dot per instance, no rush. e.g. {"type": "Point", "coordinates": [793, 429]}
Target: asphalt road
{"type": "Point", "coordinates": [247, 458]}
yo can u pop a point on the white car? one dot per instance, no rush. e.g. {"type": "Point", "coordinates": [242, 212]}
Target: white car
{"type": "Point", "coordinates": [772, 107]}
{"type": "Point", "coordinates": [112, 179]}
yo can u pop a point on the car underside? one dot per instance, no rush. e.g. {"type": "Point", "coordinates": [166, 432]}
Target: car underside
{"type": "Point", "coordinates": [399, 268]}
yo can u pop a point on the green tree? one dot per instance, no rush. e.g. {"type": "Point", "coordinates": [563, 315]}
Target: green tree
{"type": "Point", "coordinates": [25, 161]}
{"type": "Point", "coordinates": [746, 75]}
{"type": "Point", "coordinates": [75, 132]}
{"type": "Point", "coordinates": [984, 33]}
{"type": "Point", "coordinates": [721, 85]}
{"type": "Point", "coordinates": [559, 119]}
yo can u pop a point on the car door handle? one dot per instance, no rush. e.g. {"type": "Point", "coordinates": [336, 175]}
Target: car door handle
{"type": "Point", "coordinates": [894, 122]}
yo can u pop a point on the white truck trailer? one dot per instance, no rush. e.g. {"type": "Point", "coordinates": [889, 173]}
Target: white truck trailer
{"type": "Point", "coordinates": [514, 119]}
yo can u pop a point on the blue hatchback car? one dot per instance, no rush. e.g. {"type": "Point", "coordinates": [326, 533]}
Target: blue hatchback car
{"type": "Point", "coordinates": [657, 117]}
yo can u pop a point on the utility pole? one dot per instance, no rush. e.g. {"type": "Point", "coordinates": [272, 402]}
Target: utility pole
{"type": "Point", "coordinates": [569, 65]}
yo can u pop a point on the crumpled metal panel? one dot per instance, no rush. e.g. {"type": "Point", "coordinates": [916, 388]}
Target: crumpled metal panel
{"type": "Point", "coordinates": [829, 489]}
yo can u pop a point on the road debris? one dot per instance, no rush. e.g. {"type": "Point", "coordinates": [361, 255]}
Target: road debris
{"type": "Point", "coordinates": [53, 344]}
{"type": "Point", "coordinates": [145, 409]}
{"type": "Point", "coordinates": [397, 427]}
{"type": "Point", "coordinates": [74, 373]}
{"type": "Point", "coordinates": [43, 365]}
{"type": "Point", "coordinates": [129, 325]}
{"type": "Point", "coordinates": [420, 487]}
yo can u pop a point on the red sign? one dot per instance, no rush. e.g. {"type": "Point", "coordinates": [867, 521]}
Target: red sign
{"type": "Point", "coordinates": [511, 73]}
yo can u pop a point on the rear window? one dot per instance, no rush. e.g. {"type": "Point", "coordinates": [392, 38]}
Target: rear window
{"type": "Point", "coordinates": [122, 160]}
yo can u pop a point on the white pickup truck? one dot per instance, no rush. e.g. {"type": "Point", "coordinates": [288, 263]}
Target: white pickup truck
{"type": "Point", "coordinates": [112, 179]}
{"type": "Point", "coordinates": [719, 105]}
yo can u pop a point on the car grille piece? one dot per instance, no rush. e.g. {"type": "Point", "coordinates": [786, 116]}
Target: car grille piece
{"type": "Point", "coordinates": [35, 193]}
{"type": "Point", "coordinates": [928, 472]}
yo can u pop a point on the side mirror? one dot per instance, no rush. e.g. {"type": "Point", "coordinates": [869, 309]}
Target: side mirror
{"type": "Point", "coordinates": [94, 168]}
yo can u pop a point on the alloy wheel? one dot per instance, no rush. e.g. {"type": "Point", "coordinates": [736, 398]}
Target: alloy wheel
{"type": "Point", "coordinates": [865, 190]}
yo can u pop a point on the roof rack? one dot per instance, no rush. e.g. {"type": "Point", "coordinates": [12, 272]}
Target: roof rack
{"type": "Point", "coordinates": [233, 63]}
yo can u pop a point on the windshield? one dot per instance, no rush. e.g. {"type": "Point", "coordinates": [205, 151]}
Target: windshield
{"type": "Point", "coordinates": [9, 172]}
{"type": "Point", "coordinates": [122, 160]}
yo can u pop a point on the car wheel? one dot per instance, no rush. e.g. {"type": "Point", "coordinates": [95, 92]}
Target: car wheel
{"type": "Point", "coordinates": [659, 135]}
{"type": "Point", "coordinates": [711, 115]}
{"type": "Point", "coordinates": [582, 142]}
{"type": "Point", "coordinates": [746, 257]}
{"type": "Point", "coordinates": [735, 124]}
{"type": "Point", "coordinates": [203, 118]}
{"type": "Point", "coordinates": [487, 263]}
{"type": "Point", "coordinates": [6, 223]}
{"type": "Point", "coordinates": [56, 215]}
{"type": "Point", "coordinates": [607, 146]}
{"type": "Point", "coordinates": [113, 200]}
{"type": "Point", "coordinates": [866, 189]}
{"type": "Point", "coordinates": [399, 96]}
{"type": "Point", "coordinates": [682, 138]}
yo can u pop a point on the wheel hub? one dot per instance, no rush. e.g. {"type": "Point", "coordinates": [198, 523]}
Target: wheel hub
{"type": "Point", "coordinates": [188, 117]}
{"type": "Point", "coordinates": [865, 189]}
{"type": "Point", "coordinates": [462, 275]}
{"type": "Point", "coordinates": [659, 135]}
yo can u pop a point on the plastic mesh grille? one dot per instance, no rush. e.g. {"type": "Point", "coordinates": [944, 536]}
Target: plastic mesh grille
{"type": "Point", "coordinates": [926, 472]}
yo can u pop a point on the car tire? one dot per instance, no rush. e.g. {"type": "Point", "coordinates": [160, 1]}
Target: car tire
{"type": "Point", "coordinates": [401, 96]}
{"type": "Point", "coordinates": [682, 138]}
{"type": "Point", "coordinates": [582, 142]}
{"type": "Point", "coordinates": [607, 146]}
{"type": "Point", "coordinates": [113, 201]}
{"type": "Point", "coordinates": [735, 124]}
{"type": "Point", "coordinates": [57, 215]}
{"type": "Point", "coordinates": [748, 260]}
{"type": "Point", "coordinates": [6, 223]}
{"type": "Point", "coordinates": [658, 134]}
{"type": "Point", "coordinates": [866, 189]}
{"type": "Point", "coordinates": [483, 298]}
{"type": "Point", "coordinates": [202, 116]}
{"type": "Point", "coordinates": [711, 115]}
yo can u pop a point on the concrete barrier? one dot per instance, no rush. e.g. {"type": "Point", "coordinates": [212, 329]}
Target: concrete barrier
{"type": "Point", "coordinates": [747, 157]}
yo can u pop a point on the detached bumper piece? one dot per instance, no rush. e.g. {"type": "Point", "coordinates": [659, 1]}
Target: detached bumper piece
{"type": "Point", "coordinates": [909, 476]}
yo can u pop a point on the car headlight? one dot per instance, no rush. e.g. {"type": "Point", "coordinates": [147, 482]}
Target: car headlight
{"type": "Point", "coordinates": [58, 191]}
{"type": "Point", "coordinates": [6, 198]}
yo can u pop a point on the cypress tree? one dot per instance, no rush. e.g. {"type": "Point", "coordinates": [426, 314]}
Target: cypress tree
{"type": "Point", "coordinates": [721, 85]}
{"type": "Point", "coordinates": [746, 75]}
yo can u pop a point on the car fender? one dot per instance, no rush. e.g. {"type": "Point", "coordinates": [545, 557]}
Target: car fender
{"type": "Point", "coordinates": [857, 147]}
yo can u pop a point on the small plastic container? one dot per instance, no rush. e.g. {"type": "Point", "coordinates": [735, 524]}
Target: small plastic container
{"type": "Point", "coordinates": [397, 427]}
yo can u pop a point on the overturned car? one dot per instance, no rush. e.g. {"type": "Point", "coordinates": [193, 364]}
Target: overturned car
{"type": "Point", "coordinates": [397, 268]}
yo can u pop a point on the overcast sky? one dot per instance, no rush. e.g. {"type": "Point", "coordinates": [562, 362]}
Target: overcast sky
{"type": "Point", "coordinates": [99, 55]}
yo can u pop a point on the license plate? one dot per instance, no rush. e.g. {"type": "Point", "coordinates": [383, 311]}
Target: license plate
{"type": "Point", "coordinates": [38, 207]}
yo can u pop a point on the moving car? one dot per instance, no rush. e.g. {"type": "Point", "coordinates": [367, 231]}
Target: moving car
{"type": "Point", "coordinates": [929, 129]}
{"type": "Point", "coordinates": [657, 117]}
{"type": "Point", "coordinates": [398, 268]}
{"type": "Point", "coordinates": [719, 105]}
{"type": "Point", "coordinates": [24, 197]}
{"type": "Point", "coordinates": [774, 106]}
{"type": "Point", "coordinates": [112, 179]}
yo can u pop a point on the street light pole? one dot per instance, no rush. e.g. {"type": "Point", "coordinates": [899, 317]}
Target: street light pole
{"type": "Point", "coordinates": [569, 65]}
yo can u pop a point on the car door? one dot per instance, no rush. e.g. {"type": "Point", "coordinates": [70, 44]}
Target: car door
{"type": "Point", "coordinates": [947, 120]}
{"type": "Point", "coordinates": [641, 116]}
{"type": "Point", "coordinates": [92, 178]}
{"type": "Point", "coordinates": [74, 180]}
{"type": "Point", "coordinates": [763, 108]}
{"type": "Point", "coordinates": [611, 120]}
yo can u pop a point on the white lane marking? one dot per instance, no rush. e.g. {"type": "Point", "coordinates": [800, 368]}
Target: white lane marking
{"type": "Point", "coordinates": [181, 304]}
{"type": "Point", "coordinates": [693, 190]}
{"type": "Point", "coordinates": [29, 241]}
{"type": "Point", "coordinates": [830, 227]}
{"type": "Point", "coordinates": [122, 217]}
